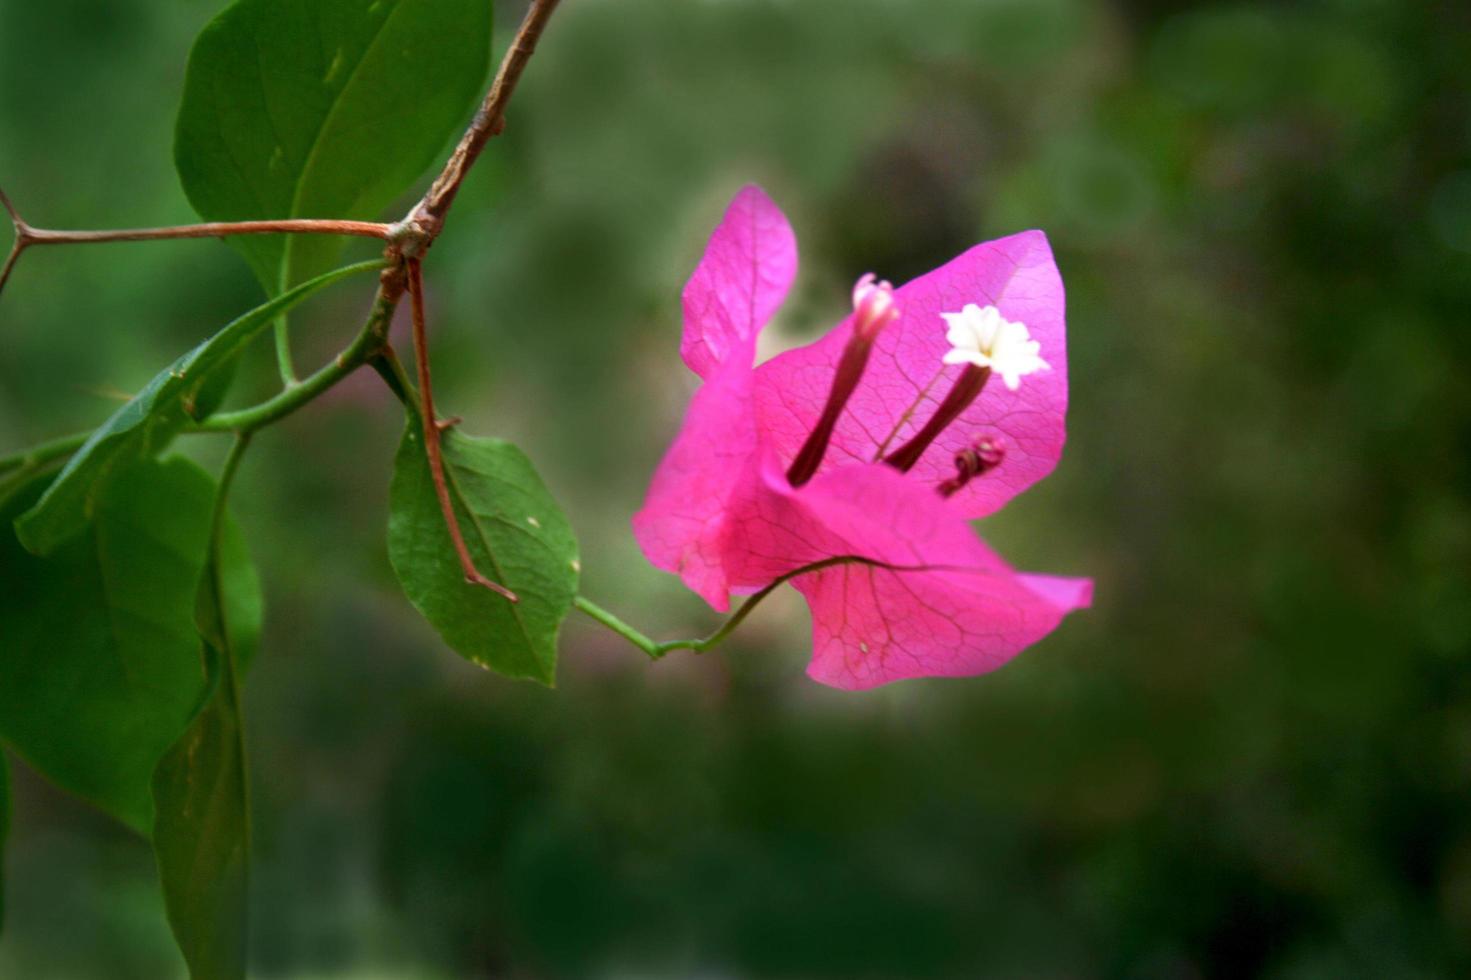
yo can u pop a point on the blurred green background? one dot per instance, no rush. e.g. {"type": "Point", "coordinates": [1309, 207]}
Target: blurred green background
{"type": "Point", "coordinates": [1252, 758]}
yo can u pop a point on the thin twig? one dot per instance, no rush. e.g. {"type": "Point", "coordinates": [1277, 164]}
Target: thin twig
{"type": "Point", "coordinates": [432, 436]}
{"type": "Point", "coordinates": [489, 120]}
{"type": "Point", "coordinates": [415, 233]}
{"type": "Point", "coordinates": [20, 240]}
{"type": "Point", "coordinates": [26, 235]}
{"type": "Point", "coordinates": [213, 229]}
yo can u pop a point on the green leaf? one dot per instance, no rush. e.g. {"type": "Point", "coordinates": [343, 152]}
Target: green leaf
{"type": "Point", "coordinates": [215, 389]}
{"type": "Point", "coordinates": [517, 535]}
{"type": "Point", "coordinates": [201, 838]}
{"type": "Point", "coordinates": [322, 109]}
{"type": "Point", "coordinates": [101, 666]}
{"type": "Point", "coordinates": [201, 834]}
{"type": "Point", "coordinates": [12, 484]}
{"type": "Point", "coordinates": [149, 422]}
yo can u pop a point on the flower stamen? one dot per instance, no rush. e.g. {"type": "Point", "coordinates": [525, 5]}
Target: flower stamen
{"type": "Point", "coordinates": [982, 456]}
{"type": "Point", "coordinates": [967, 389]}
{"type": "Point", "coordinates": [985, 342]}
{"type": "Point", "coordinates": [873, 309]}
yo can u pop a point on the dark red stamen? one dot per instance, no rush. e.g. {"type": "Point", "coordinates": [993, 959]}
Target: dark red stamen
{"type": "Point", "coordinates": [873, 309]}
{"type": "Point", "coordinates": [967, 389]}
{"type": "Point", "coordinates": [985, 455]}
{"type": "Point", "coordinates": [850, 371]}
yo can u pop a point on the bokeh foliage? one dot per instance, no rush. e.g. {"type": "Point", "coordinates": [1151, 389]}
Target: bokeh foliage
{"type": "Point", "coordinates": [1250, 759]}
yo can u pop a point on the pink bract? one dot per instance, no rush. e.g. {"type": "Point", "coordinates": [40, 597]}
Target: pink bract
{"type": "Point", "coordinates": [930, 599]}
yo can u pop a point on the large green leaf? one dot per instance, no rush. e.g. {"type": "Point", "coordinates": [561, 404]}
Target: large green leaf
{"type": "Point", "coordinates": [322, 109]}
{"type": "Point", "coordinates": [149, 421]}
{"type": "Point", "coordinates": [517, 535]}
{"type": "Point", "coordinates": [101, 667]}
{"type": "Point", "coordinates": [201, 832]}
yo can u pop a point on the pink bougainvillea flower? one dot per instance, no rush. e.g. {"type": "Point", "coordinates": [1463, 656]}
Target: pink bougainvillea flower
{"type": "Point", "coordinates": [870, 449]}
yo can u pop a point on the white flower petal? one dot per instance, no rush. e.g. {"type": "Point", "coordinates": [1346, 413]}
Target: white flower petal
{"type": "Point", "coordinates": [982, 336]}
{"type": "Point", "coordinates": [965, 357]}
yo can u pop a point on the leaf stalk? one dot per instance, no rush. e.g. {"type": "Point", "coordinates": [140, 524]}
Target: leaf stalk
{"type": "Point", "coordinates": [369, 341]}
{"type": "Point", "coordinates": [657, 650]}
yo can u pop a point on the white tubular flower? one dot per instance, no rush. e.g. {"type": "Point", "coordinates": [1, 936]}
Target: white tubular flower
{"type": "Point", "coordinates": [985, 338]}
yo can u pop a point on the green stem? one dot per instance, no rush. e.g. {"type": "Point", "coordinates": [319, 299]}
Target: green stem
{"type": "Point", "coordinates": [629, 633]}
{"type": "Point", "coordinates": [284, 363]}
{"type": "Point", "coordinates": [44, 452]}
{"type": "Point", "coordinates": [656, 649]}
{"type": "Point", "coordinates": [227, 477]}
{"type": "Point", "coordinates": [365, 347]}
{"type": "Point", "coordinates": [392, 371]}
{"type": "Point", "coordinates": [231, 674]}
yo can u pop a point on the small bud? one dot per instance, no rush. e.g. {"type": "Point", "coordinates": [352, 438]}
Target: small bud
{"type": "Point", "coordinates": [873, 306]}
{"type": "Point", "coordinates": [988, 452]}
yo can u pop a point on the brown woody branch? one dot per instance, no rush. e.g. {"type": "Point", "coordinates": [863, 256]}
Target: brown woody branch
{"type": "Point", "coordinates": [27, 235]}
{"type": "Point", "coordinates": [212, 229]}
{"type": "Point", "coordinates": [428, 215]}
{"type": "Point", "coordinates": [409, 238]}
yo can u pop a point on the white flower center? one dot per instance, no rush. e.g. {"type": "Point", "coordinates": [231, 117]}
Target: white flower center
{"type": "Point", "coordinates": [983, 337]}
